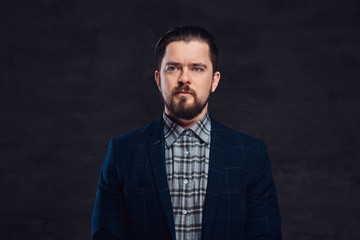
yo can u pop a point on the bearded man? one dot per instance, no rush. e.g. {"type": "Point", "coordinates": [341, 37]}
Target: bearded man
{"type": "Point", "coordinates": [186, 176]}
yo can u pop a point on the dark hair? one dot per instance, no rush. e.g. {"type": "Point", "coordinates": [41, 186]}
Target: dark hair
{"type": "Point", "coordinates": [187, 34]}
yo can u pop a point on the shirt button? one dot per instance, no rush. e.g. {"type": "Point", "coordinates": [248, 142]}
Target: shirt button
{"type": "Point", "coordinates": [188, 133]}
{"type": "Point", "coordinates": [186, 181]}
{"type": "Point", "coordinates": [186, 153]}
{"type": "Point", "coordinates": [184, 212]}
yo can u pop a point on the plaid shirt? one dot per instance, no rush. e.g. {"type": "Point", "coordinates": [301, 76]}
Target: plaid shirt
{"type": "Point", "coordinates": [187, 154]}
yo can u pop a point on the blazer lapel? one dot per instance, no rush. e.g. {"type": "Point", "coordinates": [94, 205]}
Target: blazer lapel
{"type": "Point", "coordinates": [157, 159]}
{"type": "Point", "coordinates": [215, 176]}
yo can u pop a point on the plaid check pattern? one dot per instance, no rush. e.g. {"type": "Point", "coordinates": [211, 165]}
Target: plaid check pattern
{"type": "Point", "coordinates": [187, 153]}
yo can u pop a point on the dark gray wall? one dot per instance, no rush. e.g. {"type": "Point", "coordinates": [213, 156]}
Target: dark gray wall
{"type": "Point", "coordinates": [73, 74]}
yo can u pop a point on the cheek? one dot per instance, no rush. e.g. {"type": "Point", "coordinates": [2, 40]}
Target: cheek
{"type": "Point", "coordinates": [168, 85]}
{"type": "Point", "coordinates": [206, 87]}
{"type": "Point", "coordinates": [165, 89]}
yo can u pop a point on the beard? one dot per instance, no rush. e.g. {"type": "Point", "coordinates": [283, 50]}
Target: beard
{"type": "Point", "coordinates": [180, 109]}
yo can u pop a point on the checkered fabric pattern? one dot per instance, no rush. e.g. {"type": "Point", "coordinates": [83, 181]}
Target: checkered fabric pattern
{"type": "Point", "coordinates": [187, 153]}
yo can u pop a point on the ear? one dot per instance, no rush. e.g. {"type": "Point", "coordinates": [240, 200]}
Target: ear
{"type": "Point", "coordinates": [157, 79]}
{"type": "Point", "coordinates": [215, 81]}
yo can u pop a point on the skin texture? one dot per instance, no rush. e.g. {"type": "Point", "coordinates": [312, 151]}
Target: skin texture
{"type": "Point", "coordinates": [185, 80]}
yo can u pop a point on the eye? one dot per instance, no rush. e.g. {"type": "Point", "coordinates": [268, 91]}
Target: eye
{"type": "Point", "coordinates": [197, 69]}
{"type": "Point", "coordinates": [171, 68]}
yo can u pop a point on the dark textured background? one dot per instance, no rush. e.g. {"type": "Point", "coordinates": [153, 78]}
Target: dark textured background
{"type": "Point", "coordinates": [73, 74]}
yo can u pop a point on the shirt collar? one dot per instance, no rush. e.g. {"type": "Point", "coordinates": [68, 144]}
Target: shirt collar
{"type": "Point", "coordinates": [172, 130]}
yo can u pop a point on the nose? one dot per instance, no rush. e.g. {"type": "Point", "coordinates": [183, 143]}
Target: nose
{"type": "Point", "coordinates": [185, 76]}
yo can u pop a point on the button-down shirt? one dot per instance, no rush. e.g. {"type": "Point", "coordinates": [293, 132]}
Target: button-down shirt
{"type": "Point", "coordinates": [187, 154]}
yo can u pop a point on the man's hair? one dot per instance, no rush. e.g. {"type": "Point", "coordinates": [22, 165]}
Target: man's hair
{"type": "Point", "coordinates": [187, 34]}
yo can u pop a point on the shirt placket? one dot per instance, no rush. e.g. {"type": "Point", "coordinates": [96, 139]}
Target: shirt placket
{"type": "Point", "coordinates": [187, 182]}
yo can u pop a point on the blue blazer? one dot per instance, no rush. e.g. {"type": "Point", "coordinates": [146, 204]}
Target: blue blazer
{"type": "Point", "coordinates": [133, 198]}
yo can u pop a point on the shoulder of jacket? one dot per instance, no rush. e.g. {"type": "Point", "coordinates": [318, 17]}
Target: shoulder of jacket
{"type": "Point", "coordinates": [136, 136]}
{"type": "Point", "coordinates": [235, 138]}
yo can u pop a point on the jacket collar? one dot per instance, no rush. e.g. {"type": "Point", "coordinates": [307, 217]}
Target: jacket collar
{"type": "Point", "coordinates": [157, 161]}
{"type": "Point", "coordinates": [215, 176]}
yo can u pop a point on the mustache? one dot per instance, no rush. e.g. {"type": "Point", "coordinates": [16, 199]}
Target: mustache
{"type": "Point", "coordinates": [183, 88]}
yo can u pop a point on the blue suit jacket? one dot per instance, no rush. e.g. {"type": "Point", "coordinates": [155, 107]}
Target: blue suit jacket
{"type": "Point", "coordinates": [133, 198]}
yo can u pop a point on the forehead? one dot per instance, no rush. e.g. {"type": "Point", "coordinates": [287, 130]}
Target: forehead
{"type": "Point", "coordinates": [192, 51]}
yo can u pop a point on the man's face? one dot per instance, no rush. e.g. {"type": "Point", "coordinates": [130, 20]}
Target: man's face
{"type": "Point", "coordinates": [186, 79]}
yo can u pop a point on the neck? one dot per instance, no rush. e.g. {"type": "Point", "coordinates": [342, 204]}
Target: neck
{"type": "Point", "coordinates": [184, 123]}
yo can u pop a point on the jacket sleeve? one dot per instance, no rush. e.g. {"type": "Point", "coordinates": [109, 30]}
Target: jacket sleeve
{"type": "Point", "coordinates": [109, 215]}
{"type": "Point", "coordinates": [263, 214]}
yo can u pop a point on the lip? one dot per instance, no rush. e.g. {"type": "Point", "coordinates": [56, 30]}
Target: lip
{"type": "Point", "coordinates": [183, 93]}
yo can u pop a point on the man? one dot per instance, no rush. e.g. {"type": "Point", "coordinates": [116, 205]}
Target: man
{"type": "Point", "coordinates": [185, 176]}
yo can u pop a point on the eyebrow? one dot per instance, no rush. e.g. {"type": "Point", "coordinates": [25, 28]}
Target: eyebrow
{"type": "Point", "coordinates": [191, 64]}
{"type": "Point", "coordinates": [198, 65]}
